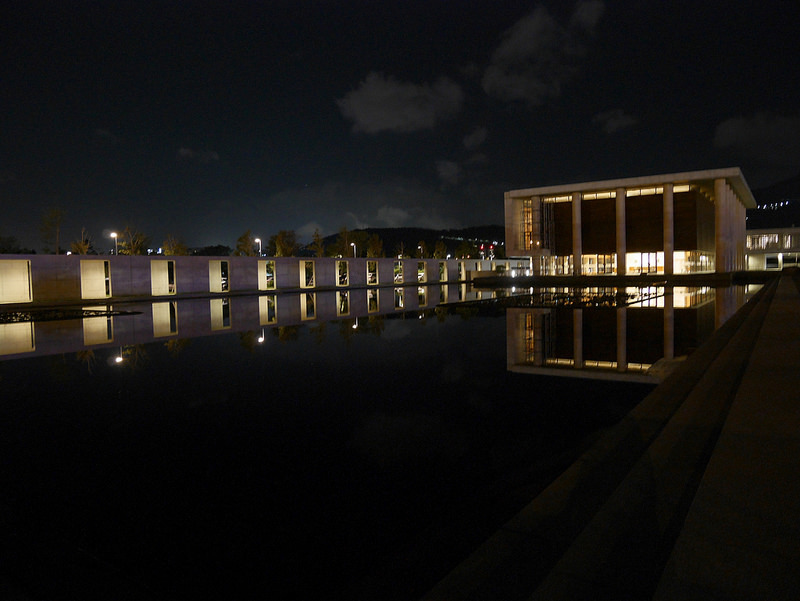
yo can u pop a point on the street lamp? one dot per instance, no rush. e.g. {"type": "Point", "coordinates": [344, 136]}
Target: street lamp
{"type": "Point", "coordinates": [353, 244]}
{"type": "Point", "coordinates": [116, 247]}
{"type": "Point", "coordinates": [258, 241]}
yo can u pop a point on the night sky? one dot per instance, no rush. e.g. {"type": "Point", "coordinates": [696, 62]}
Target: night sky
{"type": "Point", "coordinates": [205, 119]}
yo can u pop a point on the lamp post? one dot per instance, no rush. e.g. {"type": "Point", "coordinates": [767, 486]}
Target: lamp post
{"type": "Point", "coordinates": [116, 247]}
{"type": "Point", "coordinates": [258, 241]}
{"type": "Point", "coordinates": [353, 244]}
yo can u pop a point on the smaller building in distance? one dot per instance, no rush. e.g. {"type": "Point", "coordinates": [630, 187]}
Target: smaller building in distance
{"type": "Point", "coordinates": [691, 222]}
{"type": "Point", "coordinates": [774, 248]}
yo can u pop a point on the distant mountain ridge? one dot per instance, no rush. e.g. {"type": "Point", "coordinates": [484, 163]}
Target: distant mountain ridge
{"type": "Point", "coordinates": [410, 237]}
{"type": "Point", "coordinates": [779, 205]}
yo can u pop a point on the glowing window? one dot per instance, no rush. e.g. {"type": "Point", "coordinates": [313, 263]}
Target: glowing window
{"type": "Point", "coordinates": [342, 273]}
{"type": "Point", "coordinates": [95, 279]}
{"type": "Point", "coordinates": [307, 277]}
{"type": "Point", "coordinates": [162, 277]}
{"type": "Point", "coordinates": [372, 273]}
{"type": "Point", "coordinates": [15, 281]}
{"type": "Point", "coordinates": [266, 275]}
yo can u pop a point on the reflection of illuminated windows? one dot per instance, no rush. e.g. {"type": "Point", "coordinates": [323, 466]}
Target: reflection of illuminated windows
{"type": "Point", "coordinates": [15, 281]}
{"type": "Point", "coordinates": [342, 302]}
{"type": "Point", "coordinates": [443, 293]}
{"type": "Point", "coordinates": [267, 309]}
{"type": "Point", "coordinates": [266, 275]}
{"type": "Point", "coordinates": [399, 298]}
{"type": "Point", "coordinates": [16, 338]}
{"type": "Point", "coordinates": [342, 273]}
{"type": "Point", "coordinates": [372, 301]}
{"type": "Point", "coordinates": [372, 273]}
{"type": "Point", "coordinates": [422, 295]}
{"type": "Point", "coordinates": [165, 319]}
{"type": "Point", "coordinates": [100, 329]}
{"type": "Point", "coordinates": [308, 305]}
{"type": "Point", "coordinates": [220, 313]}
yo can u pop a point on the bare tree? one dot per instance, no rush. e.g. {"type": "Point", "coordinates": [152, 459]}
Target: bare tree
{"type": "Point", "coordinates": [50, 229]}
{"type": "Point", "coordinates": [317, 244]}
{"type": "Point", "coordinates": [284, 244]}
{"type": "Point", "coordinates": [174, 246]}
{"type": "Point", "coordinates": [245, 245]}
{"type": "Point", "coordinates": [133, 242]}
{"type": "Point", "coordinates": [82, 246]}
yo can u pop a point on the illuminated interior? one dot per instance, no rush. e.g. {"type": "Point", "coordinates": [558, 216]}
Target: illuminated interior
{"type": "Point", "coordinates": [266, 275]}
{"type": "Point", "coordinates": [15, 281]}
{"type": "Point", "coordinates": [95, 279]}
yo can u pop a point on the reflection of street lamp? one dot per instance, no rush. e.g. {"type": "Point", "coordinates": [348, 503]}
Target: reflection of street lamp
{"type": "Point", "coordinates": [116, 248]}
{"type": "Point", "coordinates": [355, 325]}
{"type": "Point", "coordinates": [261, 338]}
{"type": "Point", "coordinates": [353, 244]}
{"type": "Point", "coordinates": [118, 358]}
{"type": "Point", "coordinates": [258, 241]}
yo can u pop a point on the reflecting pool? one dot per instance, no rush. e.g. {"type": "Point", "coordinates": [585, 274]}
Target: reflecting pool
{"type": "Point", "coordinates": [282, 446]}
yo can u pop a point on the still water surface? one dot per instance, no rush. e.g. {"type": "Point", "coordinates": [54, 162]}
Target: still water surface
{"type": "Point", "coordinates": [359, 458]}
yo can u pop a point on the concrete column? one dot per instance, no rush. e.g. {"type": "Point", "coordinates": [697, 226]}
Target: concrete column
{"type": "Point", "coordinates": [669, 230]}
{"type": "Point", "coordinates": [577, 337]}
{"type": "Point", "coordinates": [538, 338]}
{"type": "Point", "coordinates": [669, 324]}
{"type": "Point", "coordinates": [622, 339]}
{"type": "Point", "coordinates": [513, 219]}
{"type": "Point", "coordinates": [577, 234]}
{"type": "Point", "coordinates": [622, 246]}
{"type": "Point", "coordinates": [720, 225]}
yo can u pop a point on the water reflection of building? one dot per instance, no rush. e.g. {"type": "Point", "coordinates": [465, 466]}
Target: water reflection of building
{"type": "Point", "coordinates": [94, 326]}
{"type": "Point", "coordinates": [635, 342]}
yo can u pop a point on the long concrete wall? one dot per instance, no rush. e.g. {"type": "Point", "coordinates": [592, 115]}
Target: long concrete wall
{"type": "Point", "coordinates": [66, 279]}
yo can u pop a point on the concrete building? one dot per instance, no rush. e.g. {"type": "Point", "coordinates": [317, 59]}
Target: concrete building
{"type": "Point", "coordinates": [74, 279]}
{"type": "Point", "coordinates": [773, 249]}
{"type": "Point", "coordinates": [690, 222]}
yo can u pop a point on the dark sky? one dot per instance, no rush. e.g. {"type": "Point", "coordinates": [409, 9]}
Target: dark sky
{"type": "Point", "coordinates": [205, 119]}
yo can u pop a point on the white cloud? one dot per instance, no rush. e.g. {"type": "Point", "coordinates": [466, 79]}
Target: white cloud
{"type": "Point", "coordinates": [306, 231]}
{"type": "Point", "coordinates": [449, 172]}
{"type": "Point", "coordinates": [392, 217]}
{"type": "Point", "coordinates": [587, 14]}
{"type": "Point", "coordinates": [475, 138]}
{"type": "Point", "coordinates": [538, 55]}
{"type": "Point", "coordinates": [767, 139]}
{"type": "Point", "coordinates": [614, 120]}
{"type": "Point", "coordinates": [382, 103]}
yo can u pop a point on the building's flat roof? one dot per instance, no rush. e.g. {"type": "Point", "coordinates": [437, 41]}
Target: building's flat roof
{"type": "Point", "coordinates": [733, 175]}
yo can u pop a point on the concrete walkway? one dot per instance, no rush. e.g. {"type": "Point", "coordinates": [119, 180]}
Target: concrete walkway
{"type": "Point", "coordinates": [695, 494]}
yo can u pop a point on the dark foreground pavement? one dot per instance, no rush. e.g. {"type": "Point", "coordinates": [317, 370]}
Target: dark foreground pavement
{"type": "Point", "coordinates": [694, 495]}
